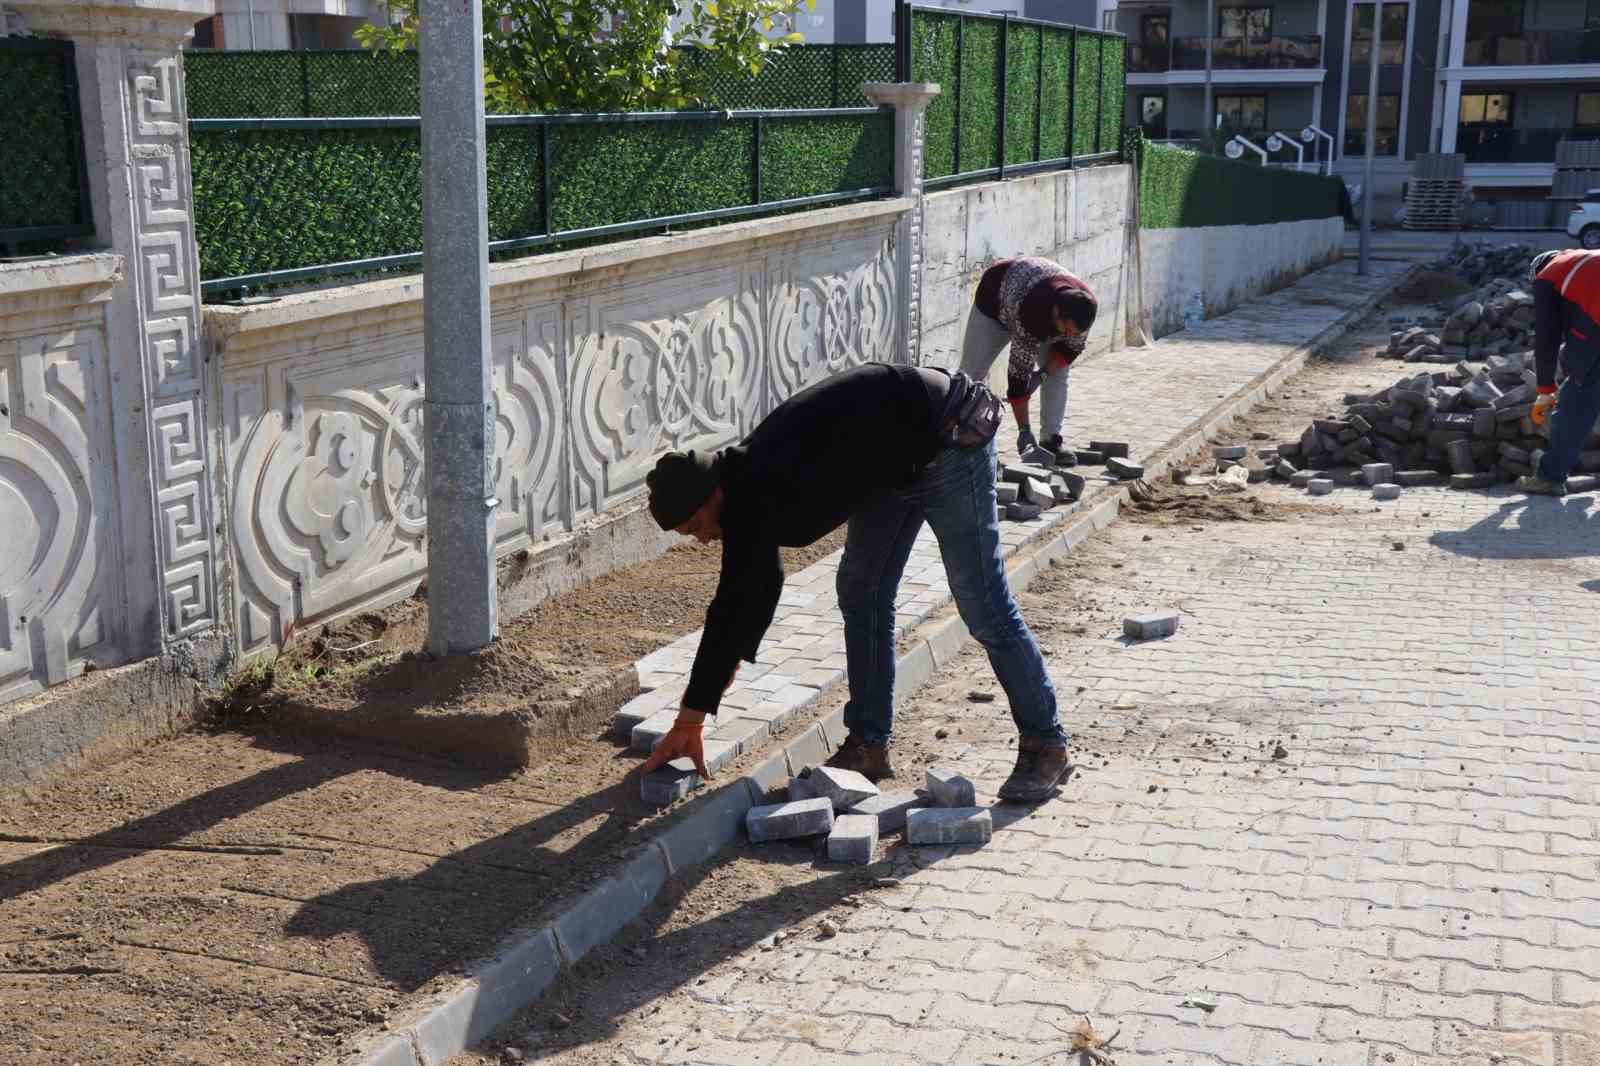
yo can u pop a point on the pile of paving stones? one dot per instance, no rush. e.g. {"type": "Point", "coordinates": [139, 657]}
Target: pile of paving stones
{"type": "Point", "coordinates": [853, 813]}
{"type": "Point", "coordinates": [1028, 489]}
{"type": "Point", "coordinates": [1495, 319]}
{"type": "Point", "coordinates": [1470, 426]}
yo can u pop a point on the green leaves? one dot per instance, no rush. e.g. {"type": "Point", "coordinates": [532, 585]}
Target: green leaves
{"type": "Point", "coordinates": [39, 163]}
{"type": "Point", "coordinates": [1180, 189]}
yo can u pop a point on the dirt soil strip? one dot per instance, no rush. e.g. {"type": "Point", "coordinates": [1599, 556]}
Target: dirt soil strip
{"type": "Point", "coordinates": [273, 897]}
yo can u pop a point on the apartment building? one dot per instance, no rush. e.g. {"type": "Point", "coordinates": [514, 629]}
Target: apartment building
{"type": "Point", "coordinates": [274, 25]}
{"type": "Point", "coordinates": [1502, 81]}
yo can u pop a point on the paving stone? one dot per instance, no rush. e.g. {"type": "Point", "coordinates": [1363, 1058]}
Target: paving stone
{"type": "Point", "coordinates": [1110, 449]}
{"type": "Point", "coordinates": [784, 821]}
{"type": "Point", "coordinates": [1320, 486]}
{"type": "Point", "coordinates": [1386, 491]}
{"type": "Point", "coordinates": [668, 784]}
{"type": "Point", "coordinates": [802, 788]}
{"type": "Point", "coordinates": [1039, 492]}
{"type": "Point", "coordinates": [843, 788]}
{"type": "Point", "coordinates": [950, 789]}
{"type": "Point", "coordinates": [1069, 487]}
{"type": "Point", "coordinates": [1583, 483]}
{"type": "Point", "coordinates": [1414, 478]}
{"type": "Point", "coordinates": [1484, 480]}
{"type": "Point", "coordinates": [1089, 457]}
{"type": "Point", "coordinates": [949, 825]}
{"type": "Point", "coordinates": [1006, 493]}
{"type": "Point", "coordinates": [1017, 473]}
{"type": "Point", "coordinates": [648, 733]}
{"type": "Point", "coordinates": [1302, 478]}
{"type": "Point", "coordinates": [1461, 461]}
{"type": "Point", "coordinates": [1150, 626]}
{"type": "Point", "coordinates": [1377, 473]}
{"type": "Point", "coordinates": [853, 839]}
{"type": "Point", "coordinates": [1230, 451]}
{"type": "Point", "coordinates": [1023, 512]}
{"type": "Point", "coordinates": [1125, 469]}
{"type": "Point", "coordinates": [890, 808]}
{"type": "Point", "coordinates": [1285, 469]}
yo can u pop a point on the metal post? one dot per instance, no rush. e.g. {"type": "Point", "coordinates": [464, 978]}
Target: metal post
{"type": "Point", "coordinates": [462, 612]}
{"type": "Point", "coordinates": [1005, 60]}
{"type": "Point", "coordinates": [1373, 60]}
{"type": "Point", "coordinates": [1210, 119]}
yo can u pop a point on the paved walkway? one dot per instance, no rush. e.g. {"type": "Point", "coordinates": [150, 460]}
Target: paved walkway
{"type": "Point", "coordinates": [1414, 881]}
{"type": "Point", "coordinates": [1147, 397]}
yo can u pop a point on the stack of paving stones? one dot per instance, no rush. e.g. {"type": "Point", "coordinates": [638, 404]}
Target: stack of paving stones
{"type": "Point", "coordinates": [854, 814]}
{"type": "Point", "coordinates": [1465, 427]}
{"type": "Point", "coordinates": [1496, 319]}
{"type": "Point", "coordinates": [1027, 490]}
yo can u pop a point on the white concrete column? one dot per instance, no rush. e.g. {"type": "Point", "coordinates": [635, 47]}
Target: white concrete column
{"type": "Point", "coordinates": [1450, 124]}
{"type": "Point", "coordinates": [130, 77]}
{"type": "Point", "coordinates": [910, 102]}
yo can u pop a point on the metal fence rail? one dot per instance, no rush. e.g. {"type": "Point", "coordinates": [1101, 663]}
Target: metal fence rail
{"type": "Point", "coordinates": [1019, 95]}
{"type": "Point", "coordinates": [282, 201]}
{"type": "Point", "coordinates": [343, 83]}
{"type": "Point", "coordinates": [43, 178]}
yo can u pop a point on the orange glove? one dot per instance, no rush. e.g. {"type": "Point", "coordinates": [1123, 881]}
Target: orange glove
{"type": "Point", "coordinates": [683, 739]}
{"type": "Point", "coordinates": [1543, 408]}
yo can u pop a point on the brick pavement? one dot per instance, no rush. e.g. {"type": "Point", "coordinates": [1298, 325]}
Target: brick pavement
{"type": "Point", "coordinates": [1416, 882]}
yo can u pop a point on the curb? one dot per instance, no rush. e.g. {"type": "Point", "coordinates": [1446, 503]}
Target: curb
{"type": "Point", "coordinates": [496, 989]}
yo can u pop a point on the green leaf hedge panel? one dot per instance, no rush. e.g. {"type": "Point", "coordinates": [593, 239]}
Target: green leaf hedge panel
{"type": "Point", "coordinates": [1180, 189]}
{"type": "Point", "coordinates": [39, 157]}
{"type": "Point", "coordinates": [1114, 59]}
{"type": "Point", "coordinates": [1054, 128]}
{"type": "Point", "coordinates": [1086, 94]}
{"type": "Point", "coordinates": [1022, 94]}
{"type": "Point", "coordinates": [980, 95]}
{"type": "Point", "coordinates": [933, 59]}
{"type": "Point", "coordinates": [811, 156]}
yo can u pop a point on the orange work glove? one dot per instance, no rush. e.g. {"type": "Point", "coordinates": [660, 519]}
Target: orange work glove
{"type": "Point", "coordinates": [1543, 408]}
{"type": "Point", "coordinates": [683, 739]}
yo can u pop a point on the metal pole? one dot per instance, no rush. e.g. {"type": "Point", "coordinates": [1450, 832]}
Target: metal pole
{"type": "Point", "coordinates": [462, 612]}
{"type": "Point", "coordinates": [1362, 262]}
{"type": "Point", "coordinates": [1211, 18]}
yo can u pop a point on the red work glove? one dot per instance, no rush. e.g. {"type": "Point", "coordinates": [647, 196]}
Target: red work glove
{"type": "Point", "coordinates": [1543, 407]}
{"type": "Point", "coordinates": [683, 739]}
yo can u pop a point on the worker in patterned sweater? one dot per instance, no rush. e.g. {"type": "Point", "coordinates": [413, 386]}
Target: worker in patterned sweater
{"type": "Point", "coordinates": [1043, 311]}
{"type": "Point", "coordinates": [1566, 305]}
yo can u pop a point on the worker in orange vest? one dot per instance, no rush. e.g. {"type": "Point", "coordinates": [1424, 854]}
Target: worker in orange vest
{"type": "Point", "coordinates": [1566, 305]}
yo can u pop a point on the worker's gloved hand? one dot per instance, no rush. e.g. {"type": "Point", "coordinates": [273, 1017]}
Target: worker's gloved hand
{"type": "Point", "coordinates": [1543, 408]}
{"type": "Point", "coordinates": [682, 740]}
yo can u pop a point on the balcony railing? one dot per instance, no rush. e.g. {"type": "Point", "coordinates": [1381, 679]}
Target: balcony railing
{"type": "Point", "coordinates": [1149, 58]}
{"type": "Point", "coordinates": [1506, 144]}
{"type": "Point", "coordinates": [1532, 48]}
{"type": "Point", "coordinates": [1248, 53]}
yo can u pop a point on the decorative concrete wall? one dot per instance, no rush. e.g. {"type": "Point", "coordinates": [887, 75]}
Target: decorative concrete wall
{"type": "Point", "coordinates": [1077, 217]}
{"type": "Point", "coordinates": [603, 359]}
{"type": "Point", "coordinates": [61, 602]}
{"type": "Point", "coordinates": [1228, 265]}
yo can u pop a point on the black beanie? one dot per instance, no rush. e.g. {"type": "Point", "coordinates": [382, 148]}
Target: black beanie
{"type": "Point", "coordinates": [679, 484]}
{"type": "Point", "coordinates": [1079, 306]}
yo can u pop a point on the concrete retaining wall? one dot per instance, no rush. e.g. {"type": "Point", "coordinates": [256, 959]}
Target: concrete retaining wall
{"type": "Point", "coordinates": [603, 358]}
{"type": "Point", "coordinates": [1228, 265]}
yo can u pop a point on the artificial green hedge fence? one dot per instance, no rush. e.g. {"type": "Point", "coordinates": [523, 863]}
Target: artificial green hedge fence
{"type": "Point", "coordinates": [269, 200]}
{"type": "Point", "coordinates": [346, 83]}
{"type": "Point", "coordinates": [1182, 189]}
{"type": "Point", "coordinates": [1062, 93]}
{"type": "Point", "coordinates": [39, 128]}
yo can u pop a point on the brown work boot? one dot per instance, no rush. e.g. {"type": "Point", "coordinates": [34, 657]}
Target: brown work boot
{"type": "Point", "coordinates": [871, 761]}
{"type": "Point", "coordinates": [1040, 768]}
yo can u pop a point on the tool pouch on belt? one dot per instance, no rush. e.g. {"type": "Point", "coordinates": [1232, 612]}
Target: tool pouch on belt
{"type": "Point", "coordinates": [976, 417]}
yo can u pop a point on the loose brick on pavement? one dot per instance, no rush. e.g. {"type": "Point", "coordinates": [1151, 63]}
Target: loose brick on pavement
{"type": "Point", "coordinates": [949, 825]}
{"type": "Point", "coordinates": [782, 821]}
{"type": "Point", "coordinates": [950, 789]}
{"type": "Point", "coordinates": [843, 788]}
{"type": "Point", "coordinates": [853, 839]}
{"type": "Point", "coordinates": [889, 808]}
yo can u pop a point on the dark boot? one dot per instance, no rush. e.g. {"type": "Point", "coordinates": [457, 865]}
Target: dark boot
{"type": "Point", "coordinates": [1040, 768]}
{"type": "Point", "coordinates": [871, 761]}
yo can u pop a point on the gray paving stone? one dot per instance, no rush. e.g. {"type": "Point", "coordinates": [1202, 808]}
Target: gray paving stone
{"type": "Point", "coordinates": [950, 789]}
{"type": "Point", "coordinates": [670, 783]}
{"type": "Point", "coordinates": [1301, 479]}
{"type": "Point", "coordinates": [843, 788]}
{"type": "Point", "coordinates": [1023, 512]}
{"type": "Point", "coordinates": [1005, 493]}
{"type": "Point", "coordinates": [1386, 491]}
{"type": "Point", "coordinates": [1125, 469]}
{"type": "Point", "coordinates": [853, 839]}
{"type": "Point", "coordinates": [949, 825]}
{"type": "Point", "coordinates": [802, 788]}
{"type": "Point", "coordinates": [1319, 486]}
{"type": "Point", "coordinates": [1230, 451]}
{"type": "Point", "coordinates": [890, 808]}
{"type": "Point", "coordinates": [1150, 626]}
{"type": "Point", "coordinates": [784, 821]}
{"type": "Point", "coordinates": [1414, 478]}
{"type": "Point", "coordinates": [1377, 473]}
{"type": "Point", "coordinates": [1111, 449]}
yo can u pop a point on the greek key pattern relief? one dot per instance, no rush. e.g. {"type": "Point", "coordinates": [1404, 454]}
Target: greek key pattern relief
{"type": "Point", "coordinates": [165, 269]}
{"type": "Point", "coordinates": [57, 557]}
{"type": "Point", "coordinates": [325, 445]}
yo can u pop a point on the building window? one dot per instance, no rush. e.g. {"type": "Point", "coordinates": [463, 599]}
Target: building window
{"type": "Point", "coordinates": [1355, 125]}
{"type": "Point", "coordinates": [1251, 22]}
{"type": "Point", "coordinates": [1493, 18]}
{"type": "Point", "coordinates": [1242, 114]}
{"type": "Point", "coordinates": [208, 33]}
{"type": "Point", "coordinates": [1153, 115]}
{"type": "Point", "coordinates": [1588, 109]}
{"type": "Point", "coordinates": [1394, 35]}
{"type": "Point", "coordinates": [1489, 109]}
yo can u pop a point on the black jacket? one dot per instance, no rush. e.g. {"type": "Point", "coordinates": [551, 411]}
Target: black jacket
{"type": "Point", "coordinates": [825, 453]}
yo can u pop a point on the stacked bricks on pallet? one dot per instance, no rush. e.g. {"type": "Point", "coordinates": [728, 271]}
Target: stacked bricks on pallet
{"type": "Point", "coordinates": [1577, 171]}
{"type": "Point", "coordinates": [1435, 192]}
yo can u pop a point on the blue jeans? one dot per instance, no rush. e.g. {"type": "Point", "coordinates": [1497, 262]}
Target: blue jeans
{"type": "Point", "coordinates": [1571, 426]}
{"type": "Point", "coordinates": [954, 494]}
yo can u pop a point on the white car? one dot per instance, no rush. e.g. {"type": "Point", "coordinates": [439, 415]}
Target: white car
{"type": "Point", "coordinates": [1584, 222]}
